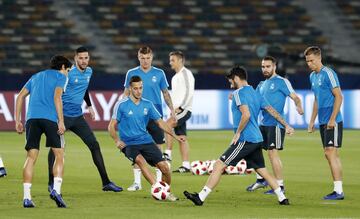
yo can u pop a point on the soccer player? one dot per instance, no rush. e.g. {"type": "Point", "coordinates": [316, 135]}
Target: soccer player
{"type": "Point", "coordinates": [328, 98]}
{"type": "Point", "coordinates": [2, 169]}
{"type": "Point", "coordinates": [45, 115]}
{"type": "Point", "coordinates": [76, 92]}
{"type": "Point", "coordinates": [155, 83]}
{"type": "Point", "coordinates": [182, 85]}
{"type": "Point", "coordinates": [275, 89]}
{"type": "Point", "coordinates": [246, 143]}
{"type": "Point", "coordinates": [130, 116]}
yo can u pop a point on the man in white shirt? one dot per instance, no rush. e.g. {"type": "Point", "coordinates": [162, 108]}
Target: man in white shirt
{"type": "Point", "coordinates": [182, 85]}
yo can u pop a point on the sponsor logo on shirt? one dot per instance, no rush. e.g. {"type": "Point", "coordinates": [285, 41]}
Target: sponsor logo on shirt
{"type": "Point", "coordinates": [130, 112]}
{"type": "Point", "coordinates": [154, 79]}
{"type": "Point", "coordinates": [145, 111]}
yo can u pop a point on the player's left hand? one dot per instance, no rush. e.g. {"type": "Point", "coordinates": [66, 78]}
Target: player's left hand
{"type": "Point", "coordinates": [92, 112]}
{"type": "Point", "coordinates": [235, 139]}
{"type": "Point", "coordinates": [300, 110]}
{"type": "Point", "coordinates": [331, 124]}
{"type": "Point", "coordinates": [180, 138]}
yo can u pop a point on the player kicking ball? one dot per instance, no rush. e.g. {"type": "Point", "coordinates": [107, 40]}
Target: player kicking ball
{"type": "Point", "coordinates": [130, 116]}
{"type": "Point", "coordinates": [246, 143]}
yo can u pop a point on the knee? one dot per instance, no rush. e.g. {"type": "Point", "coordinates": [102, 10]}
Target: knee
{"type": "Point", "coordinates": [219, 166]}
{"type": "Point", "coordinates": [184, 137]}
{"type": "Point", "coordinates": [93, 146]}
{"type": "Point", "coordinates": [140, 161]}
{"type": "Point", "coordinates": [58, 153]}
{"type": "Point", "coordinates": [163, 167]}
{"type": "Point", "coordinates": [329, 153]}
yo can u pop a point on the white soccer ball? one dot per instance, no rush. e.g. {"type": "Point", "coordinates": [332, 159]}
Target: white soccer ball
{"type": "Point", "coordinates": [160, 191]}
{"type": "Point", "coordinates": [198, 167]}
{"type": "Point", "coordinates": [210, 165]}
{"type": "Point", "coordinates": [231, 170]}
{"type": "Point", "coordinates": [241, 166]}
{"type": "Point", "coordinates": [250, 171]}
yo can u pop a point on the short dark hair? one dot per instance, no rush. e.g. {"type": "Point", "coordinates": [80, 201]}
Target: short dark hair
{"type": "Point", "coordinates": [145, 50]}
{"type": "Point", "coordinates": [312, 50]}
{"type": "Point", "coordinates": [81, 49]}
{"type": "Point", "coordinates": [239, 71]}
{"type": "Point", "coordinates": [178, 54]}
{"type": "Point", "coordinates": [58, 61]}
{"type": "Point", "coordinates": [134, 78]}
{"type": "Point", "coordinates": [270, 58]}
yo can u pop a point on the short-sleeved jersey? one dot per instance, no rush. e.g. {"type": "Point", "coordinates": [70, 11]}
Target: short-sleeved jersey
{"type": "Point", "coordinates": [275, 90]}
{"type": "Point", "coordinates": [41, 87]}
{"type": "Point", "coordinates": [154, 81]}
{"type": "Point", "coordinates": [322, 84]}
{"type": "Point", "coordinates": [132, 120]}
{"type": "Point", "coordinates": [248, 96]}
{"type": "Point", "coordinates": [75, 91]}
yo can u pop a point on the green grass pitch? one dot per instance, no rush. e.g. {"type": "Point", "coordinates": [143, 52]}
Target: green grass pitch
{"type": "Point", "coordinates": [307, 180]}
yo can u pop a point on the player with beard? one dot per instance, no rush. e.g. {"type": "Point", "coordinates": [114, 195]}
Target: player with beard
{"type": "Point", "coordinates": [77, 91]}
{"type": "Point", "coordinates": [275, 89]}
{"type": "Point", "coordinates": [247, 140]}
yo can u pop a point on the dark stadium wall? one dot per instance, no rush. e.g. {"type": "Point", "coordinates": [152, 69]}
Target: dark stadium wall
{"type": "Point", "coordinates": [202, 81]}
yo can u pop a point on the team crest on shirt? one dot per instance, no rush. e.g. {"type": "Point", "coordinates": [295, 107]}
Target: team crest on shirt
{"type": "Point", "coordinates": [154, 79]}
{"type": "Point", "coordinates": [145, 111]}
{"type": "Point", "coordinates": [319, 81]}
{"type": "Point", "coordinates": [272, 86]}
{"type": "Point", "coordinates": [76, 80]}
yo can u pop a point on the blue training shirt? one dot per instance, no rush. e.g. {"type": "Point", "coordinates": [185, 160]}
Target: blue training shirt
{"type": "Point", "coordinates": [41, 87]}
{"type": "Point", "coordinates": [154, 81]}
{"type": "Point", "coordinates": [132, 120]}
{"type": "Point", "coordinates": [322, 84]}
{"type": "Point", "coordinates": [248, 96]}
{"type": "Point", "coordinates": [275, 90]}
{"type": "Point", "coordinates": [75, 91]}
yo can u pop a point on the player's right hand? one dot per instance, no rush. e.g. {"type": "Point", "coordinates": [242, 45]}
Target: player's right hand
{"type": "Point", "coordinates": [19, 127]}
{"type": "Point", "coordinates": [311, 128]}
{"type": "Point", "coordinates": [92, 113]}
{"type": "Point", "coordinates": [289, 130]}
{"type": "Point", "coordinates": [61, 128]}
{"type": "Point", "coordinates": [120, 144]}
